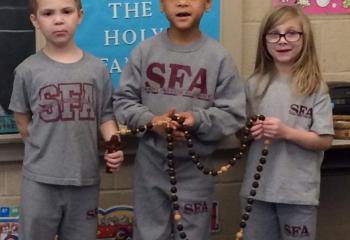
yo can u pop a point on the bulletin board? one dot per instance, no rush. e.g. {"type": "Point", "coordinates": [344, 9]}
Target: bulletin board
{"type": "Point", "coordinates": [111, 29]}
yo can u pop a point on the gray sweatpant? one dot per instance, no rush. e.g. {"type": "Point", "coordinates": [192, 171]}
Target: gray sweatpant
{"type": "Point", "coordinates": [152, 204]}
{"type": "Point", "coordinates": [68, 211]}
{"type": "Point", "coordinates": [276, 221]}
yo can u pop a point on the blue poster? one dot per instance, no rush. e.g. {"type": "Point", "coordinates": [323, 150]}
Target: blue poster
{"type": "Point", "coordinates": [112, 28]}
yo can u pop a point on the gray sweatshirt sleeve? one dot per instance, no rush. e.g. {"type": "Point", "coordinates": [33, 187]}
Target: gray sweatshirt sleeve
{"type": "Point", "coordinates": [127, 104]}
{"type": "Point", "coordinates": [19, 98]}
{"type": "Point", "coordinates": [227, 114]}
{"type": "Point", "coordinates": [106, 97]}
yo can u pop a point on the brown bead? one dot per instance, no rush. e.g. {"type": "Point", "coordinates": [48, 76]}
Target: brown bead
{"type": "Point", "coordinates": [261, 117]}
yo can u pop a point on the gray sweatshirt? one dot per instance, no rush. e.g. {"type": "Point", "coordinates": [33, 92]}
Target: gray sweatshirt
{"type": "Point", "coordinates": [199, 77]}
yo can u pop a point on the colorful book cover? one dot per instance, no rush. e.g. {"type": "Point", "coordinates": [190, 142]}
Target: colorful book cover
{"type": "Point", "coordinates": [9, 223]}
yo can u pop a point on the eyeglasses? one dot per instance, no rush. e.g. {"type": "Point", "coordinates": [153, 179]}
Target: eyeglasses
{"type": "Point", "coordinates": [275, 37]}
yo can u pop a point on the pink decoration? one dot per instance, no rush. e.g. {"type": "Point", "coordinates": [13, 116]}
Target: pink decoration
{"type": "Point", "coordinates": [318, 6]}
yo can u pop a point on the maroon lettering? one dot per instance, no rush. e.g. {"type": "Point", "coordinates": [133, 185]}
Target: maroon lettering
{"type": "Point", "coordinates": [300, 111]}
{"type": "Point", "coordinates": [196, 208]}
{"type": "Point", "coordinates": [200, 81]}
{"type": "Point", "coordinates": [294, 108]}
{"type": "Point", "coordinates": [309, 113]}
{"type": "Point", "coordinates": [91, 214]}
{"type": "Point", "coordinates": [70, 100]}
{"type": "Point", "coordinates": [175, 77]}
{"type": "Point", "coordinates": [67, 102]}
{"type": "Point", "coordinates": [50, 109]}
{"type": "Point", "coordinates": [188, 209]}
{"type": "Point", "coordinates": [305, 231]}
{"type": "Point", "coordinates": [204, 207]}
{"type": "Point", "coordinates": [87, 111]}
{"type": "Point", "coordinates": [287, 230]}
{"type": "Point", "coordinates": [296, 231]}
{"type": "Point", "coordinates": [154, 76]}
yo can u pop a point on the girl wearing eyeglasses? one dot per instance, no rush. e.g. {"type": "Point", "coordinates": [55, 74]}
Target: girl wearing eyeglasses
{"type": "Point", "coordinates": [286, 87]}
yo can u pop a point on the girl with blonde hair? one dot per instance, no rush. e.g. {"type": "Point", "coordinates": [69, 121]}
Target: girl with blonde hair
{"type": "Point", "coordinates": [286, 87]}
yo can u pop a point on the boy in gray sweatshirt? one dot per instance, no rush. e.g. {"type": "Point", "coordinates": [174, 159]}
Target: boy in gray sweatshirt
{"type": "Point", "coordinates": [184, 72]}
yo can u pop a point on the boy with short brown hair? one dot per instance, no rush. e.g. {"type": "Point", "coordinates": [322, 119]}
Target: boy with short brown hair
{"type": "Point", "coordinates": [61, 100]}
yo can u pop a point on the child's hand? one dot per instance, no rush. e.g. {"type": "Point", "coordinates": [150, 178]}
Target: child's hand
{"type": "Point", "coordinates": [189, 119]}
{"type": "Point", "coordinates": [178, 133]}
{"type": "Point", "coordinates": [257, 131]}
{"type": "Point", "coordinates": [114, 160]}
{"type": "Point", "coordinates": [166, 117]}
{"type": "Point", "coordinates": [274, 128]}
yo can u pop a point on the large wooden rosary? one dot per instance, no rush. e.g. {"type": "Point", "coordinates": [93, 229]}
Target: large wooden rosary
{"type": "Point", "coordinates": [115, 144]}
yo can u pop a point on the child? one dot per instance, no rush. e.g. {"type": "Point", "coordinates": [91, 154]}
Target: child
{"type": "Point", "coordinates": [61, 98]}
{"type": "Point", "coordinates": [288, 89]}
{"type": "Point", "coordinates": [180, 71]}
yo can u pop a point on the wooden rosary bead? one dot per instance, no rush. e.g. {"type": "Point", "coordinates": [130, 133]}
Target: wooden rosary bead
{"type": "Point", "coordinates": [177, 216]}
{"type": "Point", "coordinates": [183, 235]}
{"type": "Point", "coordinates": [180, 227]}
{"type": "Point", "coordinates": [248, 208]}
{"type": "Point", "coordinates": [261, 117]}
{"type": "Point", "coordinates": [239, 235]}
{"type": "Point", "coordinates": [176, 206]}
{"type": "Point", "coordinates": [245, 216]}
{"type": "Point", "coordinates": [173, 190]}
{"type": "Point", "coordinates": [224, 169]}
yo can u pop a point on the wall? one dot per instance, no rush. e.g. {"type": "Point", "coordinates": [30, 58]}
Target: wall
{"type": "Point", "coordinates": [332, 34]}
{"type": "Point", "coordinates": [240, 22]}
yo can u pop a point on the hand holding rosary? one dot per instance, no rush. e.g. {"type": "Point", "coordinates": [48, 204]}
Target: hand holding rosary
{"type": "Point", "coordinates": [115, 144]}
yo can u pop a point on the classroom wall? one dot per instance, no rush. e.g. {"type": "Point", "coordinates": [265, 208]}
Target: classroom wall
{"type": "Point", "coordinates": [332, 36]}
{"type": "Point", "coordinates": [240, 23]}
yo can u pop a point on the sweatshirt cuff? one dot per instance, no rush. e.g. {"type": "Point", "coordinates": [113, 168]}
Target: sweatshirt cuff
{"type": "Point", "coordinates": [145, 118]}
{"type": "Point", "coordinates": [197, 120]}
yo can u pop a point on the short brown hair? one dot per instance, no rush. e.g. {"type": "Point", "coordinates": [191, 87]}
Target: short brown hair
{"type": "Point", "coordinates": [33, 5]}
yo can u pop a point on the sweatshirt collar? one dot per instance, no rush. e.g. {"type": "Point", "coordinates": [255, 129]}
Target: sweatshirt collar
{"type": "Point", "coordinates": [194, 46]}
